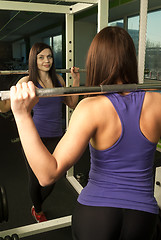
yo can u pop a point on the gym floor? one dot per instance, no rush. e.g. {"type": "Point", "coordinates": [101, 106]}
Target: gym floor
{"type": "Point", "coordinates": [13, 176]}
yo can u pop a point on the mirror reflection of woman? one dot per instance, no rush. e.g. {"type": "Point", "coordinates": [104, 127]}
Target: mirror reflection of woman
{"type": "Point", "coordinates": [47, 114]}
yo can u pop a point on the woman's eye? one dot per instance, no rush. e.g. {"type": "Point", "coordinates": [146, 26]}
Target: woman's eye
{"type": "Point", "coordinates": [41, 58]}
{"type": "Point", "coordinates": [49, 57]}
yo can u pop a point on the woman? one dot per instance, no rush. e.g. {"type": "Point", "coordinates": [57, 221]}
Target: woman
{"type": "Point", "coordinates": [47, 114]}
{"type": "Point", "coordinates": [122, 130]}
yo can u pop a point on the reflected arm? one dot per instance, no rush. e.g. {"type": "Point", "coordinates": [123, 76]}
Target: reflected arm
{"type": "Point", "coordinates": [5, 106]}
{"type": "Point", "coordinates": [71, 101]}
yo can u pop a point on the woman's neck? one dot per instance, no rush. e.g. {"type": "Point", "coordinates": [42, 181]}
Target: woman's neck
{"type": "Point", "coordinates": [44, 75]}
{"type": "Point", "coordinates": [44, 79]}
{"type": "Point", "coordinates": [122, 93]}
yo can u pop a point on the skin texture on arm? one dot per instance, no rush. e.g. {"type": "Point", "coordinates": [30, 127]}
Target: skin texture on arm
{"type": "Point", "coordinates": [47, 167]}
{"type": "Point", "coordinates": [71, 101]}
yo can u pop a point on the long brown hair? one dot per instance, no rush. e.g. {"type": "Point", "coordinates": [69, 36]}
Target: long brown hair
{"type": "Point", "coordinates": [111, 58]}
{"type": "Point", "coordinates": [33, 69]}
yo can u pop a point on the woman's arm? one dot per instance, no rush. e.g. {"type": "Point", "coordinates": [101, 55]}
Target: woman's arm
{"type": "Point", "coordinates": [5, 106]}
{"type": "Point", "coordinates": [71, 101]}
{"type": "Point", "coordinates": [50, 167]}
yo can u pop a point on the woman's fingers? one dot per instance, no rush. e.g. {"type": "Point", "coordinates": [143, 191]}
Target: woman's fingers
{"type": "Point", "coordinates": [23, 97]}
{"type": "Point", "coordinates": [32, 88]}
{"type": "Point", "coordinates": [13, 91]}
{"type": "Point", "coordinates": [75, 74]}
{"type": "Point", "coordinates": [23, 90]}
{"type": "Point", "coordinates": [74, 70]}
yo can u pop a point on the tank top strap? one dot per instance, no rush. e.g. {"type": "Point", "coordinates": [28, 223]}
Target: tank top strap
{"type": "Point", "coordinates": [128, 108]}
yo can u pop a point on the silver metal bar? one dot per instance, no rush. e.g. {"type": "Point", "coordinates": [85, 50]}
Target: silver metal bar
{"type": "Point", "coordinates": [37, 228]}
{"type": "Point", "coordinates": [68, 70]}
{"type": "Point", "coordinates": [142, 39]}
{"type": "Point", "coordinates": [9, 72]}
{"type": "Point", "coordinates": [34, 7]}
{"type": "Point", "coordinates": [68, 91]}
{"type": "Point", "coordinates": [76, 185]}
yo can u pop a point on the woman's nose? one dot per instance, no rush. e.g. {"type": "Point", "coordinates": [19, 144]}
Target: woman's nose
{"type": "Point", "coordinates": [46, 59]}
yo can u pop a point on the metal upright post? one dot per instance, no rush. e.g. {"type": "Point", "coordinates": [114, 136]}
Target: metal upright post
{"type": "Point", "coordinates": [69, 64]}
{"type": "Point", "coordinates": [142, 39]}
{"type": "Point", "coordinates": [69, 56]}
{"type": "Point", "coordinates": [103, 8]}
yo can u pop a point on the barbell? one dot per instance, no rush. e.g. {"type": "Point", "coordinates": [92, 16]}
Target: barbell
{"type": "Point", "coordinates": [69, 91]}
{"type": "Point", "coordinates": [10, 72]}
{"type": "Point", "coordinates": [13, 237]}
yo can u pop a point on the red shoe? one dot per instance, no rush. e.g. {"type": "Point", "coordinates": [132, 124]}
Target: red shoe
{"type": "Point", "coordinates": [38, 217]}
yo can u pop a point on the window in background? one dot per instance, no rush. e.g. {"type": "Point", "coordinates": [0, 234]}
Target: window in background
{"type": "Point", "coordinates": [119, 23]}
{"type": "Point", "coordinates": [56, 44]}
{"type": "Point", "coordinates": [133, 30]}
{"type": "Point", "coordinates": [153, 46]}
{"type": "Point", "coordinates": [57, 48]}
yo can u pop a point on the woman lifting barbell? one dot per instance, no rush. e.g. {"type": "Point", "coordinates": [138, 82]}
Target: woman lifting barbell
{"type": "Point", "coordinates": [122, 130]}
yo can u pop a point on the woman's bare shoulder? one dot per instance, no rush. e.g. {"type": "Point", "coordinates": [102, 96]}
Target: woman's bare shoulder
{"type": "Point", "coordinates": [24, 79]}
{"type": "Point", "coordinates": [152, 102]}
{"type": "Point", "coordinates": [153, 97]}
{"type": "Point", "coordinates": [95, 104]}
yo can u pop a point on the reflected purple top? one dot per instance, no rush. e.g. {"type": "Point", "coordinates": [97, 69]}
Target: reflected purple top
{"type": "Point", "coordinates": [48, 116]}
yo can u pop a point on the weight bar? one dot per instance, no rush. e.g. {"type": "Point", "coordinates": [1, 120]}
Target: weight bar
{"type": "Point", "coordinates": [68, 91]}
{"type": "Point", "coordinates": [7, 238]}
{"type": "Point", "coordinates": [10, 72]}
{"type": "Point", "coordinates": [13, 237]}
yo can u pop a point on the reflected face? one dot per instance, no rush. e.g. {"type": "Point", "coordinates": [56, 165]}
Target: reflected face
{"type": "Point", "coordinates": [44, 60]}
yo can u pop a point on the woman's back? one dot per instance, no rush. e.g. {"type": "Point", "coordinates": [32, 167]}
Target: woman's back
{"type": "Point", "coordinates": [109, 125]}
{"type": "Point", "coordinates": [121, 173]}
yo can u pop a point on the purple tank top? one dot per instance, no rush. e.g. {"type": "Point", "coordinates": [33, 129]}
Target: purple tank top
{"type": "Point", "coordinates": [122, 175]}
{"type": "Point", "coordinates": [48, 116]}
